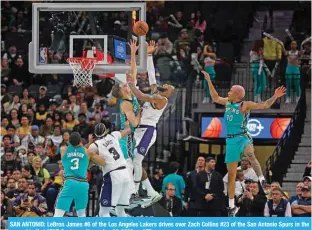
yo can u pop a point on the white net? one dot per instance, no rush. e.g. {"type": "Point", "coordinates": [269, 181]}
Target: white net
{"type": "Point", "coordinates": [82, 70]}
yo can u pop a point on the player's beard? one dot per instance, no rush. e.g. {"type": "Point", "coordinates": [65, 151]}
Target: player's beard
{"type": "Point", "coordinates": [161, 89]}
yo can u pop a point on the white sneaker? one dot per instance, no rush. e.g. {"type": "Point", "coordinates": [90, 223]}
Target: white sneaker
{"type": "Point", "coordinates": [297, 99]}
{"type": "Point", "coordinates": [154, 199]}
{"type": "Point", "coordinates": [288, 100]}
{"type": "Point", "coordinates": [205, 100]}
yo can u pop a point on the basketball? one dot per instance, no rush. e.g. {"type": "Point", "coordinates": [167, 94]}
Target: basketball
{"type": "Point", "coordinates": [278, 127]}
{"type": "Point", "coordinates": [140, 28]}
{"type": "Point", "coordinates": [214, 129]}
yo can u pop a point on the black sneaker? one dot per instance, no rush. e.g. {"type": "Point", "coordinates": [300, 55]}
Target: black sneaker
{"type": "Point", "coordinates": [232, 211]}
{"type": "Point", "coordinates": [135, 198]}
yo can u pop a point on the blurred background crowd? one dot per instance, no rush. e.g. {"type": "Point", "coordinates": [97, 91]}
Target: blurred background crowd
{"type": "Point", "coordinates": [38, 112]}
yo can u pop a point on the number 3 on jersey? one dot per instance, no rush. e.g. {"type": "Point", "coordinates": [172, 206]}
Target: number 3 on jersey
{"type": "Point", "coordinates": [75, 163]}
{"type": "Point", "coordinates": [114, 152]}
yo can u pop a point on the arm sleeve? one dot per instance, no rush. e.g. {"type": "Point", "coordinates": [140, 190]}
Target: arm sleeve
{"type": "Point", "coordinates": [93, 147]}
{"type": "Point", "coordinates": [288, 210]}
{"type": "Point", "coordinates": [151, 70]}
{"type": "Point", "coordinates": [116, 134]}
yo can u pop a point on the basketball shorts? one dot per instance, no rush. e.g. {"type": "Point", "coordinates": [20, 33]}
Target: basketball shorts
{"type": "Point", "coordinates": [67, 195]}
{"type": "Point", "coordinates": [144, 137]}
{"type": "Point", "coordinates": [235, 148]}
{"type": "Point", "coordinates": [116, 188]}
{"type": "Point", "coordinates": [127, 146]}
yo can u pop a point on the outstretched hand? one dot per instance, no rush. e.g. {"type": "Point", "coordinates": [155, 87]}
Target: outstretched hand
{"type": "Point", "coordinates": [133, 46]}
{"type": "Point", "coordinates": [129, 77]}
{"type": "Point", "coordinates": [280, 91]}
{"type": "Point", "coordinates": [206, 75]}
{"type": "Point", "coordinates": [151, 47]}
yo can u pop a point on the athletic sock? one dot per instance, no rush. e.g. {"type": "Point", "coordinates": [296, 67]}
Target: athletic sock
{"type": "Point", "coordinates": [149, 188]}
{"type": "Point", "coordinates": [231, 203]}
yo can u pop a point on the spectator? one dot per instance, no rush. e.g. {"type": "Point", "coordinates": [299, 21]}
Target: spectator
{"type": "Point", "coordinates": [175, 179]}
{"type": "Point", "coordinates": [82, 127]}
{"type": "Point", "coordinates": [30, 203]}
{"type": "Point", "coordinates": [307, 170]}
{"type": "Point", "coordinates": [277, 206]}
{"type": "Point", "coordinates": [32, 139]}
{"type": "Point", "coordinates": [272, 53]}
{"type": "Point", "coordinates": [164, 46]}
{"type": "Point", "coordinates": [249, 172]}
{"type": "Point", "coordinates": [240, 183]}
{"type": "Point", "coordinates": [5, 73]}
{"type": "Point", "coordinates": [25, 128]}
{"type": "Point", "coordinates": [11, 55]}
{"type": "Point", "coordinates": [298, 193]}
{"type": "Point", "coordinates": [190, 189]}
{"type": "Point", "coordinates": [13, 104]}
{"type": "Point", "coordinates": [41, 114]}
{"type": "Point", "coordinates": [7, 142]}
{"type": "Point", "coordinates": [210, 198]}
{"type": "Point", "coordinates": [11, 130]}
{"type": "Point", "coordinates": [182, 43]}
{"type": "Point", "coordinates": [84, 110]}
{"type": "Point", "coordinates": [307, 180]}
{"type": "Point", "coordinates": [6, 210]}
{"type": "Point", "coordinates": [143, 83]}
{"type": "Point", "coordinates": [9, 162]}
{"type": "Point", "coordinates": [302, 207]}
{"type": "Point", "coordinates": [43, 98]}
{"type": "Point", "coordinates": [157, 179]}
{"type": "Point", "coordinates": [74, 107]}
{"type": "Point", "coordinates": [274, 185]}
{"type": "Point", "coordinates": [41, 150]}
{"type": "Point", "coordinates": [30, 157]}
{"type": "Point", "coordinates": [22, 186]}
{"type": "Point", "coordinates": [25, 96]}
{"type": "Point", "coordinates": [3, 91]}
{"type": "Point", "coordinates": [251, 203]}
{"type": "Point", "coordinates": [57, 137]}
{"type": "Point", "coordinates": [70, 121]}
{"type": "Point", "coordinates": [41, 173]}
{"type": "Point", "coordinates": [19, 73]}
{"type": "Point", "coordinates": [26, 172]}
{"type": "Point", "coordinates": [170, 202]}
{"type": "Point", "coordinates": [200, 22]}
{"type": "Point", "coordinates": [13, 117]}
{"type": "Point", "coordinates": [11, 189]}
{"type": "Point", "coordinates": [47, 128]}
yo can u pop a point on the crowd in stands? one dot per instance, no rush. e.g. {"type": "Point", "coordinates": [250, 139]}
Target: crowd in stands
{"type": "Point", "coordinates": [35, 123]}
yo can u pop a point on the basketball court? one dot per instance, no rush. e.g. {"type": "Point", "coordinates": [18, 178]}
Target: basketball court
{"type": "Point", "coordinates": [78, 35]}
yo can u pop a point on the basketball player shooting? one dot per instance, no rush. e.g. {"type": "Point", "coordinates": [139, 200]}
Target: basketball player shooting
{"type": "Point", "coordinates": [75, 160]}
{"type": "Point", "coordinates": [238, 141]}
{"type": "Point", "coordinates": [145, 134]}
{"type": "Point", "coordinates": [115, 192]}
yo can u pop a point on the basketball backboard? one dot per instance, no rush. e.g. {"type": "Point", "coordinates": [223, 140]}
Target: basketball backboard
{"type": "Point", "coordinates": [61, 30]}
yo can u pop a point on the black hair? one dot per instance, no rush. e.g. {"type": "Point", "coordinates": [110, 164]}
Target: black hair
{"type": "Point", "coordinates": [174, 166]}
{"type": "Point", "coordinates": [74, 138]}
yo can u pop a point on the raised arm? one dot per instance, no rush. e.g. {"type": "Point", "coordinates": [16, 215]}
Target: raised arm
{"type": "Point", "coordinates": [214, 95]}
{"type": "Point", "coordinates": [150, 66]}
{"type": "Point", "coordinates": [126, 131]}
{"type": "Point", "coordinates": [249, 105]}
{"type": "Point", "coordinates": [96, 158]}
{"type": "Point", "coordinates": [133, 66]}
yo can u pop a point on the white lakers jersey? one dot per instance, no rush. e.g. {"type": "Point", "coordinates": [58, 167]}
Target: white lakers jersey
{"type": "Point", "coordinates": [109, 149]}
{"type": "Point", "coordinates": [150, 115]}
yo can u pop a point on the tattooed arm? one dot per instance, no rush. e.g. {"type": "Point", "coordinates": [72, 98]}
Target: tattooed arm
{"type": "Point", "coordinates": [249, 105]}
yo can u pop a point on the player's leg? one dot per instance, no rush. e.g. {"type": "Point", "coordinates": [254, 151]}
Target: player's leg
{"type": "Point", "coordinates": [81, 197]}
{"type": "Point", "coordinates": [106, 196]}
{"type": "Point", "coordinates": [124, 197]}
{"type": "Point", "coordinates": [144, 139]}
{"type": "Point", "coordinates": [64, 199]}
{"type": "Point", "coordinates": [232, 157]}
{"type": "Point", "coordinates": [288, 83]}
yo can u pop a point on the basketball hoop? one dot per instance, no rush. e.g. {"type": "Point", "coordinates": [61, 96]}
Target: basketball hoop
{"type": "Point", "coordinates": [82, 70]}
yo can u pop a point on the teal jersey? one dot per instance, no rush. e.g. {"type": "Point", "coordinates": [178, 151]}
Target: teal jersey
{"type": "Point", "coordinates": [235, 120]}
{"type": "Point", "coordinates": [123, 118]}
{"type": "Point", "coordinates": [75, 162]}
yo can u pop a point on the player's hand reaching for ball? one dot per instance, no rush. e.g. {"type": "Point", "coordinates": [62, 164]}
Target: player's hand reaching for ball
{"type": "Point", "coordinates": [133, 46]}
{"type": "Point", "coordinates": [206, 75]}
{"type": "Point", "coordinates": [151, 47]}
{"type": "Point", "coordinates": [280, 91]}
